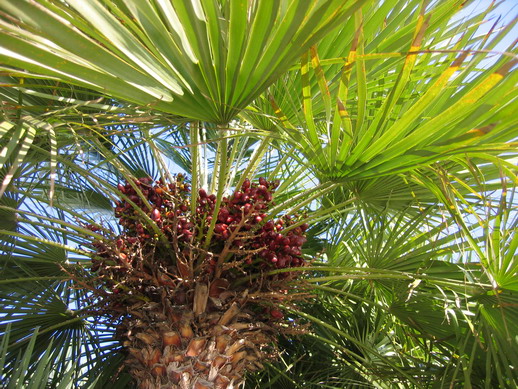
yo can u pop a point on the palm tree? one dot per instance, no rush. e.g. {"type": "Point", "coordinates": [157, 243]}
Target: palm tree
{"type": "Point", "coordinates": [204, 194]}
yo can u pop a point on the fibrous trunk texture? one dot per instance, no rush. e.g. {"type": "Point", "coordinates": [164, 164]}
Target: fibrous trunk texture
{"type": "Point", "coordinates": [207, 344]}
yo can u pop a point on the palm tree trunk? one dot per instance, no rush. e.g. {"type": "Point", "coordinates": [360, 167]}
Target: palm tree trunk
{"type": "Point", "coordinates": [208, 343]}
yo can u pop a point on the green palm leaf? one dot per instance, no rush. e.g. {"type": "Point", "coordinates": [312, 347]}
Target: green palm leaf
{"type": "Point", "coordinates": [202, 59]}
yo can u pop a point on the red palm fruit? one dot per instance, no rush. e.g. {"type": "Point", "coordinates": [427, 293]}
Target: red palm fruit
{"type": "Point", "coordinates": [247, 208]}
{"type": "Point", "coordinates": [246, 184]}
{"type": "Point", "coordinates": [121, 188]}
{"type": "Point", "coordinates": [298, 240]}
{"type": "Point", "coordinates": [131, 240]}
{"type": "Point", "coordinates": [304, 226]}
{"type": "Point", "coordinates": [276, 314]}
{"type": "Point", "coordinates": [268, 226]}
{"type": "Point", "coordinates": [155, 215]}
{"type": "Point", "coordinates": [119, 243]}
{"type": "Point", "coordinates": [223, 214]}
{"type": "Point", "coordinates": [203, 193]}
{"type": "Point", "coordinates": [274, 259]}
{"type": "Point", "coordinates": [225, 234]}
{"type": "Point", "coordinates": [238, 195]}
{"type": "Point", "coordinates": [262, 181]}
{"type": "Point", "coordinates": [219, 227]}
{"type": "Point", "coordinates": [258, 219]}
{"type": "Point", "coordinates": [230, 219]}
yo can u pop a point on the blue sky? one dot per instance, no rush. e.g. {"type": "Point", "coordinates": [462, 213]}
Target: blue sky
{"type": "Point", "coordinates": [506, 11]}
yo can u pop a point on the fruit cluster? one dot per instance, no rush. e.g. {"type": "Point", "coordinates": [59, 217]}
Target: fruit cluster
{"type": "Point", "coordinates": [242, 222]}
{"type": "Point", "coordinates": [243, 233]}
{"type": "Point", "coordinates": [165, 206]}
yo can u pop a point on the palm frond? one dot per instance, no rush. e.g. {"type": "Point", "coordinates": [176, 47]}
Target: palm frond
{"type": "Point", "coordinates": [204, 60]}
